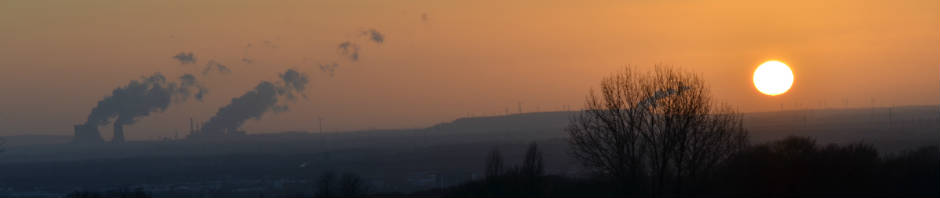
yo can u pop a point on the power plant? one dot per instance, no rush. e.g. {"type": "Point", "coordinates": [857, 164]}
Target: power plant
{"type": "Point", "coordinates": [154, 94]}
{"type": "Point", "coordinates": [137, 99]}
{"type": "Point", "coordinates": [196, 131]}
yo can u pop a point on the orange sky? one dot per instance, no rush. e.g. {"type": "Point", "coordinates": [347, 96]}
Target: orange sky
{"type": "Point", "coordinates": [57, 58]}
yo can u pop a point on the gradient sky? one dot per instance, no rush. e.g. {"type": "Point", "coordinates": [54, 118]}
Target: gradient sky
{"type": "Point", "coordinates": [57, 58]}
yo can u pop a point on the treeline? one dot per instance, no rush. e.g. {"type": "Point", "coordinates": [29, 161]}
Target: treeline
{"type": "Point", "coordinates": [327, 184]}
{"type": "Point", "coordinates": [527, 180]}
{"type": "Point", "coordinates": [795, 166]}
{"type": "Point", "coordinates": [800, 166]}
{"type": "Point", "coordinates": [117, 193]}
{"type": "Point", "coordinates": [346, 185]}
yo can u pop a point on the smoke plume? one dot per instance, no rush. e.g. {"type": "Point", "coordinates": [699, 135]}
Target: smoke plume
{"type": "Point", "coordinates": [270, 44]}
{"type": "Point", "coordinates": [650, 101]}
{"type": "Point", "coordinates": [329, 68]}
{"type": "Point", "coordinates": [374, 35]}
{"type": "Point", "coordinates": [185, 58]}
{"type": "Point", "coordinates": [141, 97]}
{"type": "Point", "coordinates": [349, 49]}
{"type": "Point", "coordinates": [253, 104]}
{"type": "Point", "coordinates": [215, 66]}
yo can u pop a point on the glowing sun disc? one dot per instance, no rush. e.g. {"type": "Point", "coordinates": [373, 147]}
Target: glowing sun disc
{"type": "Point", "coordinates": [773, 78]}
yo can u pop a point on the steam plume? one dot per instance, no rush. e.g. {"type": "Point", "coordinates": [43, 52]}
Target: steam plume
{"type": "Point", "coordinates": [253, 104]}
{"type": "Point", "coordinates": [215, 66]}
{"type": "Point", "coordinates": [374, 35]}
{"type": "Point", "coordinates": [139, 98]}
{"type": "Point", "coordinates": [349, 49]}
{"type": "Point", "coordinates": [185, 58]}
{"type": "Point", "coordinates": [329, 68]}
{"type": "Point", "coordinates": [270, 44]}
{"type": "Point", "coordinates": [651, 100]}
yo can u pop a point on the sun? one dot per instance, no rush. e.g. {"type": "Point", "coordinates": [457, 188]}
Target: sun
{"type": "Point", "coordinates": [773, 78]}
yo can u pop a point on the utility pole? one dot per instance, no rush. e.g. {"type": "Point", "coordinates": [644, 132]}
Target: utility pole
{"type": "Point", "coordinates": [891, 117]}
{"type": "Point", "coordinates": [520, 107]}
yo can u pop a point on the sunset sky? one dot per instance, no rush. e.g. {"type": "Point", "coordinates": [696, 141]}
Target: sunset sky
{"type": "Point", "coordinates": [442, 60]}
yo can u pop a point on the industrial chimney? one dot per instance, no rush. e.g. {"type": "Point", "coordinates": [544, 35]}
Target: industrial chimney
{"type": "Point", "coordinates": [118, 133]}
{"type": "Point", "coordinates": [86, 134]}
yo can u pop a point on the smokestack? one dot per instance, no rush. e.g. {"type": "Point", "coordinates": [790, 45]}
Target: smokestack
{"type": "Point", "coordinates": [139, 98]}
{"type": "Point", "coordinates": [118, 133]}
{"type": "Point", "coordinates": [86, 134]}
{"type": "Point", "coordinates": [191, 126]}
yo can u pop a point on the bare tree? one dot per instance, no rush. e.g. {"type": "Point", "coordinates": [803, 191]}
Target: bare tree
{"type": "Point", "coordinates": [352, 185]}
{"type": "Point", "coordinates": [533, 166]}
{"type": "Point", "coordinates": [655, 129]}
{"type": "Point", "coordinates": [532, 170]}
{"type": "Point", "coordinates": [494, 164]}
{"type": "Point", "coordinates": [325, 184]}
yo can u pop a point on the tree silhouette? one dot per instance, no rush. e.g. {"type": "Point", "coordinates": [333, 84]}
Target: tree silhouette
{"type": "Point", "coordinates": [532, 166]}
{"type": "Point", "coordinates": [325, 184]}
{"type": "Point", "coordinates": [532, 171]}
{"type": "Point", "coordinates": [494, 164]}
{"type": "Point", "coordinates": [120, 192]}
{"type": "Point", "coordinates": [347, 185]}
{"type": "Point", "coordinates": [351, 185]}
{"type": "Point", "coordinates": [658, 129]}
{"type": "Point", "coordinates": [797, 166]}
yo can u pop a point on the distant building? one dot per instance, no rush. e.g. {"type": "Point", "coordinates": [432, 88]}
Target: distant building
{"type": "Point", "coordinates": [203, 132]}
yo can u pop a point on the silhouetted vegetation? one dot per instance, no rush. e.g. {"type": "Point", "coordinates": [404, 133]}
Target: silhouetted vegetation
{"type": "Point", "coordinates": [655, 134]}
{"type": "Point", "coordinates": [494, 164]}
{"type": "Point", "coordinates": [660, 135]}
{"type": "Point", "coordinates": [347, 185]}
{"type": "Point", "coordinates": [525, 180]}
{"type": "Point", "coordinates": [325, 184]}
{"type": "Point", "coordinates": [798, 166]}
{"type": "Point", "coordinates": [118, 193]}
{"type": "Point", "coordinates": [795, 166]}
{"type": "Point", "coordinates": [351, 185]}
